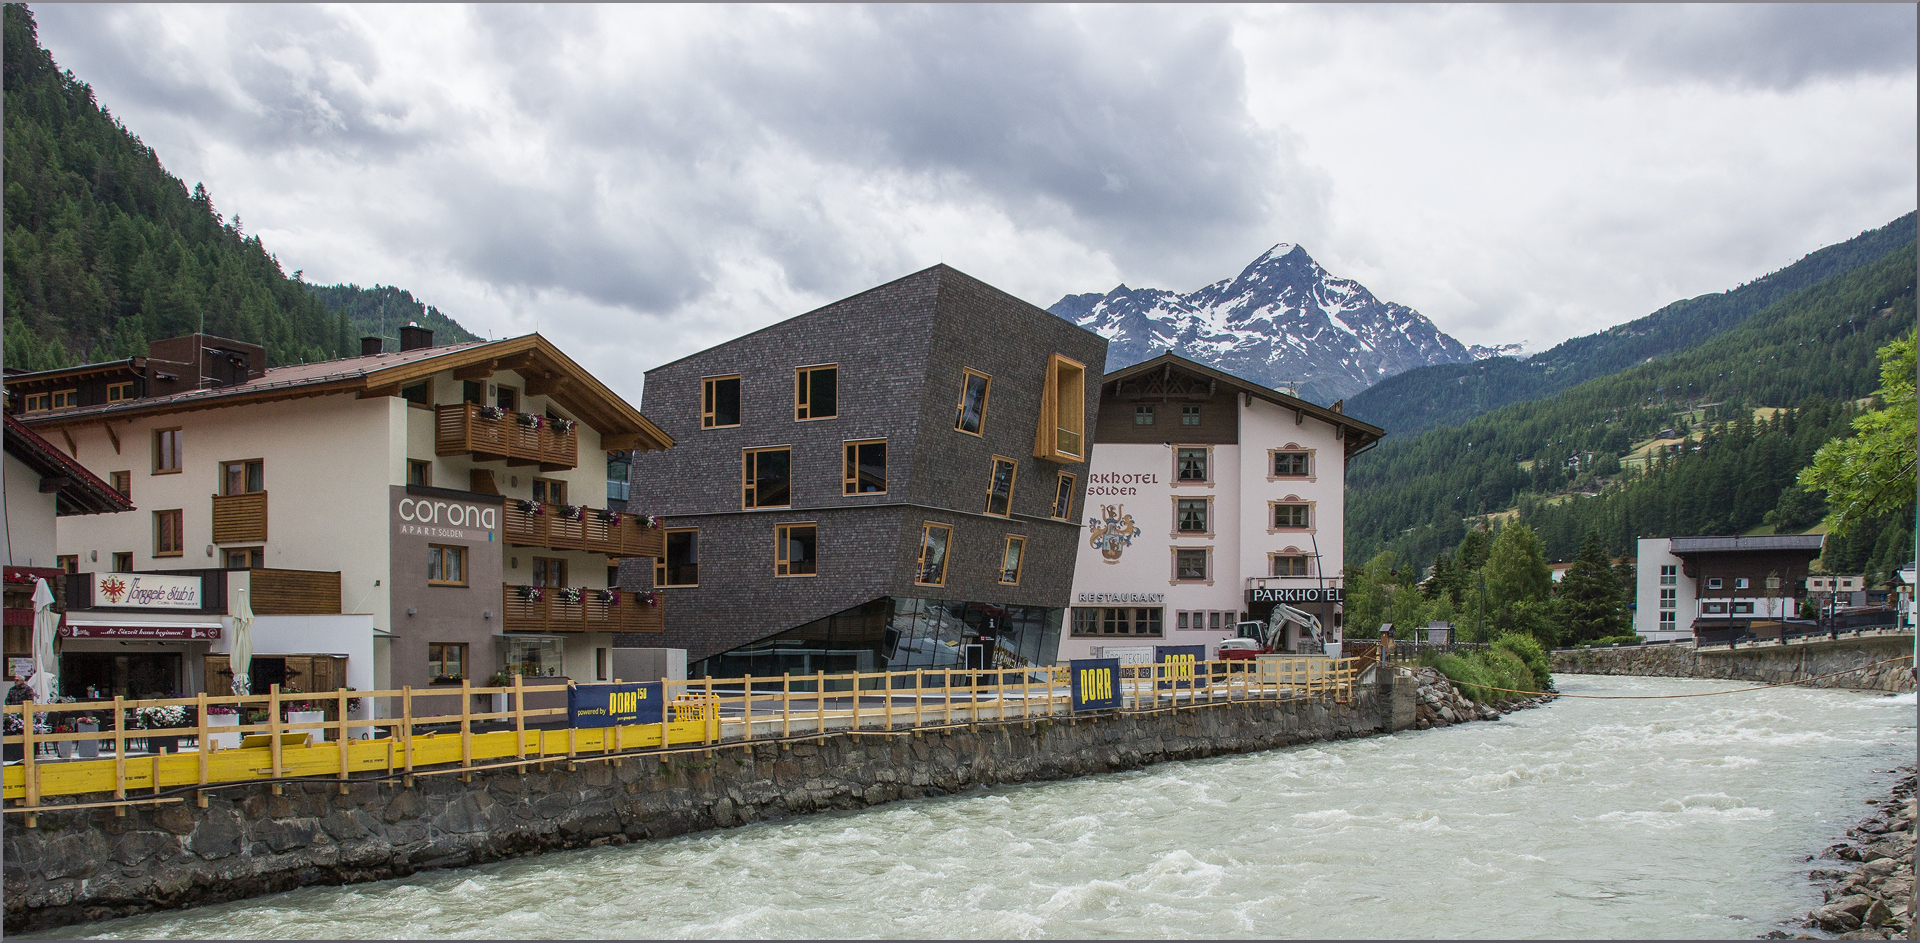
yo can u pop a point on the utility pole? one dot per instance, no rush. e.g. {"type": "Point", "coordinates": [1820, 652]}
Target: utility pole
{"type": "Point", "coordinates": [1482, 628]}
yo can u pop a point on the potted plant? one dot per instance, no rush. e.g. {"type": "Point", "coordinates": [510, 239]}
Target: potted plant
{"type": "Point", "coordinates": [64, 747]}
{"type": "Point", "coordinates": [529, 420]}
{"type": "Point", "coordinates": [86, 749]}
{"type": "Point", "coordinates": [528, 593]}
{"type": "Point", "coordinates": [306, 712]}
{"type": "Point", "coordinates": [500, 699]}
{"type": "Point", "coordinates": [562, 426]}
{"type": "Point", "coordinates": [492, 413]}
{"type": "Point", "coordinates": [224, 715]}
{"type": "Point", "coordinates": [169, 719]}
{"type": "Point", "coordinates": [571, 594]}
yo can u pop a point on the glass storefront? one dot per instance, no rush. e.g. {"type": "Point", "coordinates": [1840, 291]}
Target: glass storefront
{"type": "Point", "coordinates": [897, 633]}
{"type": "Point", "coordinates": [532, 656]}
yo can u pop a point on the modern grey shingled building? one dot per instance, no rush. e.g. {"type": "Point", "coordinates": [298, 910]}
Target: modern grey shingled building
{"type": "Point", "coordinates": [890, 481]}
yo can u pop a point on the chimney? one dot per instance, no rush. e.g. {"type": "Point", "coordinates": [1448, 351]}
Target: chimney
{"type": "Point", "coordinates": [415, 337]}
{"type": "Point", "coordinates": [369, 346]}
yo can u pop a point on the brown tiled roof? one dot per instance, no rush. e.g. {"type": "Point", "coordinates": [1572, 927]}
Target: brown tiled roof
{"type": "Point", "coordinates": [83, 492]}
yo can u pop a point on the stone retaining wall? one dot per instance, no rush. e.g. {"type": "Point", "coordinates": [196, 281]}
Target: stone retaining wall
{"type": "Point", "coordinates": [90, 864]}
{"type": "Point", "coordinates": [1763, 664]}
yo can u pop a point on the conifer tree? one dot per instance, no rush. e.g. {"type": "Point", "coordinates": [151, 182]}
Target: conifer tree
{"type": "Point", "coordinates": [1589, 596]}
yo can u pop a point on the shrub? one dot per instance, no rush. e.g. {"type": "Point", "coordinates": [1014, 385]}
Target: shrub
{"type": "Point", "coordinates": [1617, 640]}
{"type": "Point", "coordinates": [1530, 652]}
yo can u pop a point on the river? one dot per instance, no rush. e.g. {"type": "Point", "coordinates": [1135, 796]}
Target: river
{"type": "Point", "coordinates": [1679, 818]}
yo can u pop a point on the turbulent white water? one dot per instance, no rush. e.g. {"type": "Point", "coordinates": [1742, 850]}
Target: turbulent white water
{"type": "Point", "coordinates": [1685, 819]}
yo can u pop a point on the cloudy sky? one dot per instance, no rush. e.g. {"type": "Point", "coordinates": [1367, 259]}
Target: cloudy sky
{"type": "Point", "coordinates": [640, 182]}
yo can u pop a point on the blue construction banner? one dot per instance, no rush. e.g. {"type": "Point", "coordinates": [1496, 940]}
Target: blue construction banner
{"type": "Point", "coordinates": [609, 705]}
{"type": "Point", "coordinates": [1096, 683]}
{"type": "Point", "coordinates": [1181, 661]}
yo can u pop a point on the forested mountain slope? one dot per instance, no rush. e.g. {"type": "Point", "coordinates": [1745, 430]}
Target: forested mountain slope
{"type": "Point", "coordinates": [1813, 350]}
{"type": "Point", "coordinates": [383, 310]}
{"type": "Point", "coordinates": [1449, 394]}
{"type": "Point", "coordinates": [105, 250]}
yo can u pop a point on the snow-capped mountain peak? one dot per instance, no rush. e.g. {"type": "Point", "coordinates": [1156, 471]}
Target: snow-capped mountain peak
{"type": "Point", "coordinates": [1282, 320]}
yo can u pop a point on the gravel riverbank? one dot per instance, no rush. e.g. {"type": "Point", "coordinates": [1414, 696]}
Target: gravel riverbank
{"type": "Point", "coordinates": [1870, 893]}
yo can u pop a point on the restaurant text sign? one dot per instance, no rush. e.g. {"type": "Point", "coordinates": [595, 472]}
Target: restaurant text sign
{"type": "Point", "coordinates": [146, 591]}
{"type": "Point", "coordinates": [163, 633]}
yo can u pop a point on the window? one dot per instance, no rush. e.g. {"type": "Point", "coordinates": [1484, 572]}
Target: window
{"type": "Point", "coordinates": [1740, 582]}
{"type": "Point", "coordinates": [719, 402]}
{"type": "Point", "coordinates": [1743, 608]}
{"type": "Point", "coordinates": [419, 472]}
{"type": "Point", "coordinates": [1289, 564]}
{"type": "Point", "coordinates": [446, 566]}
{"type": "Point", "coordinates": [1669, 598]}
{"type": "Point", "coordinates": [68, 562]}
{"type": "Point", "coordinates": [765, 478]}
{"type": "Point", "coordinates": [549, 491]}
{"type": "Point", "coordinates": [419, 394]}
{"type": "Point", "coordinates": [1143, 415]}
{"type": "Point", "coordinates": [1669, 575]}
{"type": "Point", "coordinates": [794, 549]}
{"type": "Point", "coordinates": [122, 481]}
{"type": "Point", "coordinates": [245, 558]}
{"type": "Point", "coordinates": [1189, 415]}
{"type": "Point", "coordinates": [602, 664]}
{"type": "Point", "coordinates": [816, 393]}
{"type": "Point", "coordinates": [169, 539]}
{"type": "Point", "coordinates": [1713, 608]}
{"type": "Point", "coordinates": [1063, 497]}
{"type": "Point", "coordinates": [1713, 582]}
{"type": "Point", "coordinates": [123, 562]}
{"type": "Point", "coordinates": [1292, 464]}
{"type": "Point", "coordinates": [37, 402]}
{"type": "Point", "coordinates": [865, 471]}
{"type": "Point", "coordinates": [447, 662]}
{"type": "Point", "coordinates": [473, 391]}
{"type": "Point", "coordinates": [1669, 620]}
{"type": "Point", "coordinates": [117, 392]}
{"type": "Point", "coordinates": [971, 414]}
{"type": "Point", "coordinates": [549, 571]}
{"type": "Point", "coordinates": [1094, 623]}
{"type": "Point", "coordinates": [58, 399]}
{"type": "Point", "coordinates": [681, 565]}
{"type": "Point", "coordinates": [507, 398]}
{"type": "Point", "coordinates": [1190, 465]}
{"type": "Point", "coordinates": [1190, 515]}
{"type": "Point", "coordinates": [1063, 412]}
{"type": "Point", "coordinates": [1190, 565]}
{"type": "Point", "coordinates": [619, 475]}
{"type": "Point", "coordinates": [1011, 558]}
{"type": "Point", "coordinates": [246, 477]}
{"type": "Point", "coordinates": [1000, 487]}
{"type": "Point", "coordinates": [166, 451]}
{"type": "Point", "coordinates": [934, 541]}
{"type": "Point", "coordinates": [1290, 515]}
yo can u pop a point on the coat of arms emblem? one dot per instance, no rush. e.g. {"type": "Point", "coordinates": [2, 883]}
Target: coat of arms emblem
{"type": "Point", "coordinates": [1112, 532]}
{"type": "Point", "coordinates": [114, 589]}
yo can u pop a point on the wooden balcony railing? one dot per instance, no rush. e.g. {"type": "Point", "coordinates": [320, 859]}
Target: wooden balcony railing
{"type": "Point", "coordinates": [464, 429]}
{"type": "Point", "coordinates": [239, 518]}
{"type": "Point", "coordinates": [547, 609]}
{"type": "Point", "coordinates": [559, 527]}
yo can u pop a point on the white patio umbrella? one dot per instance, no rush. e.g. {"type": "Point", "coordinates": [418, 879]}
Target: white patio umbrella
{"type": "Point", "coordinates": [240, 649]}
{"type": "Point", "coordinates": [45, 623]}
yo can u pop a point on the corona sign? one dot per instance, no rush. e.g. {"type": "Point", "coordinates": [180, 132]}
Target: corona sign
{"type": "Point", "coordinates": [1096, 684]}
{"type": "Point", "coordinates": [610, 705]}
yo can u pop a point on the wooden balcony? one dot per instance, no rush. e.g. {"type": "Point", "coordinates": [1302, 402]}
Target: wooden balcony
{"type": "Point", "coordinates": [462, 429]}
{"type": "Point", "coordinates": [529, 524]}
{"type": "Point", "coordinates": [595, 611]}
{"type": "Point", "coordinates": [240, 518]}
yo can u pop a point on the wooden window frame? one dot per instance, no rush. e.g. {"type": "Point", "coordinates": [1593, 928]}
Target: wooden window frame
{"type": "Point", "coordinates": [1019, 563]}
{"type": "Point", "coordinates": [1206, 556]}
{"type": "Point", "coordinates": [748, 465]}
{"type": "Point", "coordinates": [708, 413]}
{"type": "Point", "coordinates": [1144, 411]}
{"type": "Point", "coordinates": [802, 392]}
{"type": "Point", "coordinates": [122, 481]}
{"type": "Point", "coordinates": [179, 453]}
{"type": "Point", "coordinates": [226, 554]}
{"type": "Point", "coordinates": [566, 493]}
{"type": "Point", "coordinates": [67, 562]}
{"type": "Point", "coordinates": [425, 467]}
{"type": "Point", "coordinates": [1068, 481]}
{"type": "Point", "coordinates": [782, 565]}
{"type": "Point", "coordinates": [117, 555]}
{"type": "Point", "coordinates": [1048, 443]}
{"type": "Point", "coordinates": [660, 565]}
{"type": "Point", "coordinates": [243, 475]}
{"type": "Point", "coordinates": [1178, 482]}
{"type": "Point", "coordinates": [960, 407]}
{"type": "Point", "coordinates": [1273, 463]}
{"type": "Point", "coordinates": [64, 399]}
{"type": "Point", "coordinates": [519, 399]}
{"type": "Point", "coordinates": [920, 563]}
{"type": "Point", "coordinates": [436, 657]}
{"type": "Point", "coordinates": [1112, 622]}
{"type": "Point", "coordinates": [457, 551]}
{"type": "Point", "coordinates": [426, 394]}
{"type": "Point", "coordinates": [850, 468]}
{"type": "Point", "coordinates": [36, 402]}
{"type": "Point", "coordinates": [179, 516]}
{"type": "Point", "coordinates": [1274, 558]}
{"type": "Point", "coordinates": [1273, 516]}
{"type": "Point", "coordinates": [1190, 411]}
{"type": "Point", "coordinates": [1208, 512]}
{"type": "Point", "coordinates": [533, 563]}
{"type": "Point", "coordinates": [993, 474]}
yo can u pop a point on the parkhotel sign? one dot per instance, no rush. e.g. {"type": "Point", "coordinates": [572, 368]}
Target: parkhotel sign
{"type": "Point", "coordinates": [1312, 594]}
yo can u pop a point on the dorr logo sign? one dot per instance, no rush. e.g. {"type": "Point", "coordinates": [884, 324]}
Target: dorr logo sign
{"type": "Point", "coordinates": [1113, 532]}
{"type": "Point", "coordinates": [146, 591]}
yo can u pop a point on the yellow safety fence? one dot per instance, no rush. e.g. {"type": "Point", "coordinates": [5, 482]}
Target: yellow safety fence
{"type": "Point", "coordinates": [407, 740]}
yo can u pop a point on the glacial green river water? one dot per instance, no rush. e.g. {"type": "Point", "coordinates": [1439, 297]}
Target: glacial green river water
{"type": "Point", "coordinates": [1686, 818]}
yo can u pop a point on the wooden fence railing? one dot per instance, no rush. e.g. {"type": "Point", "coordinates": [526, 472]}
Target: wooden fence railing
{"type": "Point", "coordinates": [436, 730]}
